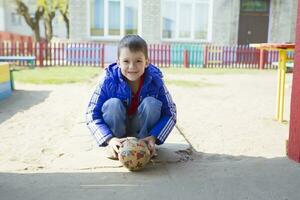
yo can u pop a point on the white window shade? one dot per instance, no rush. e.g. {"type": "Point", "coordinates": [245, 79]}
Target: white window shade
{"type": "Point", "coordinates": [97, 17]}
{"type": "Point", "coordinates": [169, 19]}
{"type": "Point", "coordinates": [113, 18]}
{"type": "Point", "coordinates": [185, 20]}
{"type": "Point", "coordinates": [201, 25]}
{"type": "Point", "coordinates": [131, 17]}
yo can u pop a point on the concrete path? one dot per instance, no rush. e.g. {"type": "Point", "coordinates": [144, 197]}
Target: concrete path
{"type": "Point", "coordinates": [206, 177]}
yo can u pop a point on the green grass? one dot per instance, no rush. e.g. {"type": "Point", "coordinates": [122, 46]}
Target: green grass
{"type": "Point", "coordinates": [186, 83]}
{"type": "Point", "coordinates": [56, 75]}
{"type": "Point", "coordinates": [174, 71]}
{"type": "Point", "coordinates": [61, 75]}
{"type": "Point", "coordinates": [178, 72]}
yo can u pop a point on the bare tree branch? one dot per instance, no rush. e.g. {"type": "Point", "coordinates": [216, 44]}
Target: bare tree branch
{"type": "Point", "coordinates": [33, 22]}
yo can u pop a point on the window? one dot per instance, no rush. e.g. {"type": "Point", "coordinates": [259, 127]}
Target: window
{"type": "Point", "coordinates": [185, 19]}
{"type": "Point", "coordinates": [201, 26]}
{"type": "Point", "coordinates": [168, 19]}
{"type": "Point", "coordinates": [131, 17]}
{"type": "Point", "coordinates": [97, 17]}
{"type": "Point", "coordinates": [185, 10]}
{"type": "Point", "coordinates": [16, 19]}
{"type": "Point", "coordinates": [113, 18]}
{"type": "Point", "coordinates": [254, 6]}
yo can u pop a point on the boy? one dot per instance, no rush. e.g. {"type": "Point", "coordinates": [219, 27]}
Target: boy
{"type": "Point", "coordinates": [131, 100]}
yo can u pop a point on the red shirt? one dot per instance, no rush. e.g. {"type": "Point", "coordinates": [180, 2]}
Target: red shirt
{"type": "Point", "coordinates": [135, 99]}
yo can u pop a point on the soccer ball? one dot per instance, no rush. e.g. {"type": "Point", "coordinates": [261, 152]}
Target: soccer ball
{"type": "Point", "coordinates": [134, 154]}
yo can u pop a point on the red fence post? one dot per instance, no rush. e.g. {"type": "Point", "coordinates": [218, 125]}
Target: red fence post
{"type": "Point", "coordinates": [158, 54]}
{"type": "Point", "coordinates": [1, 48]}
{"type": "Point", "coordinates": [54, 51]}
{"type": "Point", "coordinates": [58, 54]}
{"type": "Point", "coordinates": [165, 57]}
{"type": "Point", "coordinates": [41, 54]}
{"type": "Point", "coordinates": [29, 48]}
{"type": "Point", "coordinates": [262, 59]}
{"type": "Point", "coordinates": [154, 54]}
{"type": "Point", "coordinates": [185, 58]}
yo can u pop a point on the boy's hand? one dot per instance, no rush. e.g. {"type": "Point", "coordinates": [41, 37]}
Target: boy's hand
{"type": "Point", "coordinates": [150, 140]}
{"type": "Point", "coordinates": [115, 144]}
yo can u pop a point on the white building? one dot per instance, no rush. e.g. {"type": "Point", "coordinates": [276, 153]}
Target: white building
{"type": "Point", "coordinates": [160, 21]}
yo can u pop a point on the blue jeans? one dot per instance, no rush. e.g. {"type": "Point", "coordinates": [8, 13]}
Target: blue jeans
{"type": "Point", "coordinates": [138, 125]}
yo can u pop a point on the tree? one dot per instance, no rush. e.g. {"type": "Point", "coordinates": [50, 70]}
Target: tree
{"type": "Point", "coordinates": [46, 9]}
{"type": "Point", "coordinates": [63, 7]}
{"type": "Point", "coordinates": [32, 21]}
{"type": "Point", "coordinates": [49, 7]}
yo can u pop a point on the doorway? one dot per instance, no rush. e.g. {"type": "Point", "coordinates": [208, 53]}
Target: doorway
{"type": "Point", "coordinates": [253, 21]}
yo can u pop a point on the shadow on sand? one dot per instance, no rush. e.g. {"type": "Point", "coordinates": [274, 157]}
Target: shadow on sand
{"type": "Point", "coordinates": [203, 176]}
{"type": "Point", "coordinates": [19, 101]}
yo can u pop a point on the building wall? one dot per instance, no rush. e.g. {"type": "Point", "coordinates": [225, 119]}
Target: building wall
{"type": "Point", "coordinates": [2, 21]}
{"type": "Point", "coordinates": [282, 21]}
{"type": "Point", "coordinates": [78, 20]}
{"type": "Point", "coordinates": [225, 21]}
{"type": "Point", "coordinates": [294, 20]}
{"type": "Point", "coordinates": [151, 25]}
{"type": "Point", "coordinates": [23, 28]}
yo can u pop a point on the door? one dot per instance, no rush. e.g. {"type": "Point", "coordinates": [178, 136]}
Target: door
{"type": "Point", "coordinates": [253, 21]}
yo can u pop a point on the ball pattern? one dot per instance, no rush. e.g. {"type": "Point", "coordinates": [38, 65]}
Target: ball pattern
{"type": "Point", "coordinates": [134, 154]}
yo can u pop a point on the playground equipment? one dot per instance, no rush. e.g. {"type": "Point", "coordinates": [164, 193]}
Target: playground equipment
{"type": "Point", "coordinates": [5, 81]}
{"type": "Point", "coordinates": [283, 50]}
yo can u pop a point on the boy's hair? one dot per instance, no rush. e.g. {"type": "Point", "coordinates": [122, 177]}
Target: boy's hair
{"type": "Point", "coordinates": [134, 43]}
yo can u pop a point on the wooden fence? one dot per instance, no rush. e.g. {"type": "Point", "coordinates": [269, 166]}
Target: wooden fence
{"type": "Point", "coordinates": [57, 54]}
{"type": "Point", "coordinates": [163, 55]}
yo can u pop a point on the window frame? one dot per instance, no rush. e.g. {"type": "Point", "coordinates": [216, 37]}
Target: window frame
{"type": "Point", "coordinates": [254, 9]}
{"type": "Point", "coordinates": [15, 19]}
{"type": "Point", "coordinates": [106, 35]}
{"type": "Point", "coordinates": [177, 30]}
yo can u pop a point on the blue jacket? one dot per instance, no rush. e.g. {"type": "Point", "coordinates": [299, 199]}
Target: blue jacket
{"type": "Point", "coordinates": [114, 86]}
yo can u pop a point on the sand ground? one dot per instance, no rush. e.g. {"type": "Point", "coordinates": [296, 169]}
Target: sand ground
{"type": "Point", "coordinates": [231, 114]}
{"type": "Point", "coordinates": [239, 150]}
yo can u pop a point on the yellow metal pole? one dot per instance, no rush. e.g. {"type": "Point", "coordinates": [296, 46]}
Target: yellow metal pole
{"type": "Point", "coordinates": [282, 69]}
{"type": "Point", "coordinates": [278, 89]}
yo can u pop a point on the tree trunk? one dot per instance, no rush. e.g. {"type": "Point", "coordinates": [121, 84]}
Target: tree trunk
{"type": "Point", "coordinates": [68, 26]}
{"type": "Point", "coordinates": [67, 22]}
{"type": "Point", "coordinates": [37, 35]}
{"type": "Point", "coordinates": [33, 22]}
{"type": "Point", "coordinates": [48, 28]}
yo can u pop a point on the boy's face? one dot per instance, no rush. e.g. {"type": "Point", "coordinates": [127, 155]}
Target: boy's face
{"type": "Point", "coordinates": [132, 64]}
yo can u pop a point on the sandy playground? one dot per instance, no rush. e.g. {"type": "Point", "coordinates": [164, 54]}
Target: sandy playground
{"type": "Point", "coordinates": [231, 114]}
